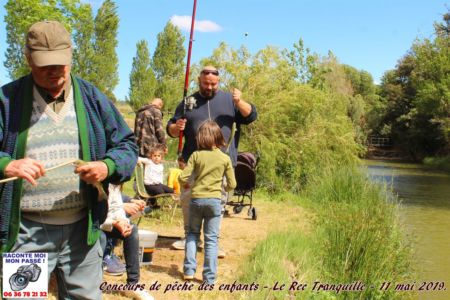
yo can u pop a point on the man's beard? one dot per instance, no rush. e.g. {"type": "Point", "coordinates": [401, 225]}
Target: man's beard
{"type": "Point", "coordinates": [209, 96]}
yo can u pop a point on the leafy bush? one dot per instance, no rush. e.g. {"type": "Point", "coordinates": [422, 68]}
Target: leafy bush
{"type": "Point", "coordinates": [299, 133]}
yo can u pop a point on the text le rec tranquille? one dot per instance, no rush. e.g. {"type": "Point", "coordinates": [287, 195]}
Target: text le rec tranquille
{"type": "Point", "coordinates": [316, 286]}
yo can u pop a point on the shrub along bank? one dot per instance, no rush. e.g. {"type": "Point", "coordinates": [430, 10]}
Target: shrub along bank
{"type": "Point", "coordinates": [355, 245]}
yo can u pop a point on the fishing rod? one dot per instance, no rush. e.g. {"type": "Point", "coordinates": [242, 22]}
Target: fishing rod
{"type": "Point", "coordinates": [187, 103]}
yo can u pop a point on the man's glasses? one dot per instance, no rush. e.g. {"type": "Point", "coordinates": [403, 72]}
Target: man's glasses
{"type": "Point", "coordinates": [207, 72]}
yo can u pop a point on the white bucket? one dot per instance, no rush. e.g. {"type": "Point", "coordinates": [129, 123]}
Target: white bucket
{"type": "Point", "coordinates": [147, 240]}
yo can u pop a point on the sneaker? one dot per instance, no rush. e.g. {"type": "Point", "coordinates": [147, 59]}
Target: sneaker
{"type": "Point", "coordinates": [113, 266]}
{"type": "Point", "coordinates": [118, 262]}
{"type": "Point", "coordinates": [221, 253]}
{"type": "Point", "coordinates": [188, 277]}
{"type": "Point", "coordinates": [139, 295]}
{"type": "Point", "coordinates": [179, 245]}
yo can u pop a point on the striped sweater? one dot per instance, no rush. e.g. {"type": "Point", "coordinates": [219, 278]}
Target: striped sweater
{"type": "Point", "coordinates": [53, 140]}
{"type": "Point", "coordinates": [103, 135]}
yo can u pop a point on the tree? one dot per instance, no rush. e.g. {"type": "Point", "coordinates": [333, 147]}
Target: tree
{"type": "Point", "coordinates": [168, 65]}
{"type": "Point", "coordinates": [334, 78]}
{"type": "Point", "coordinates": [234, 66]}
{"type": "Point", "coordinates": [417, 114]}
{"type": "Point", "coordinates": [106, 61]}
{"type": "Point", "coordinates": [20, 15]}
{"type": "Point", "coordinates": [300, 129]}
{"type": "Point", "coordinates": [431, 79]}
{"type": "Point", "coordinates": [304, 63]}
{"type": "Point", "coordinates": [83, 52]}
{"type": "Point", "coordinates": [142, 79]}
{"type": "Point", "coordinates": [77, 18]}
{"type": "Point", "coordinates": [443, 29]}
{"type": "Point", "coordinates": [361, 81]}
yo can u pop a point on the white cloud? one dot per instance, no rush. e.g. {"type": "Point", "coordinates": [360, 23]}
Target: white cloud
{"type": "Point", "coordinates": [184, 23]}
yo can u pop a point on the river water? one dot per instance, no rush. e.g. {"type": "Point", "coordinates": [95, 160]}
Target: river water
{"type": "Point", "coordinates": [425, 215]}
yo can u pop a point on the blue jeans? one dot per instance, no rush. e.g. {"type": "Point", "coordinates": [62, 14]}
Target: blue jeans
{"type": "Point", "coordinates": [208, 211]}
{"type": "Point", "coordinates": [185, 199]}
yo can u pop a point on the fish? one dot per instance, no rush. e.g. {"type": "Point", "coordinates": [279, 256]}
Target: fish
{"type": "Point", "coordinates": [101, 192]}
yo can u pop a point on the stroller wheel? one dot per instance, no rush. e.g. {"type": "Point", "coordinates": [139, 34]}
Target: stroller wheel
{"type": "Point", "coordinates": [237, 209]}
{"type": "Point", "coordinates": [252, 213]}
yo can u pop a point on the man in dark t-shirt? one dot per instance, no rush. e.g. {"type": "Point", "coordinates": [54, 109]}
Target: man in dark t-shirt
{"type": "Point", "coordinates": [209, 104]}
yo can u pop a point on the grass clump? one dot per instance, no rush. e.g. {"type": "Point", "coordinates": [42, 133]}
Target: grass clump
{"type": "Point", "coordinates": [355, 237]}
{"type": "Point", "coordinates": [440, 163]}
{"type": "Point", "coordinates": [359, 238]}
{"type": "Point", "coordinates": [282, 258]}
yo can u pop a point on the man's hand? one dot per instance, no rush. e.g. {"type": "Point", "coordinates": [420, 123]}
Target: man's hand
{"type": "Point", "coordinates": [175, 128]}
{"type": "Point", "coordinates": [123, 227]}
{"type": "Point", "coordinates": [236, 96]}
{"type": "Point", "coordinates": [93, 171]}
{"type": "Point", "coordinates": [244, 108]}
{"type": "Point", "coordinates": [139, 202]}
{"type": "Point", "coordinates": [132, 208]}
{"type": "Point", "coordinates": [26, 168]}
{"type": "Point", "coordinates": [181, 124]}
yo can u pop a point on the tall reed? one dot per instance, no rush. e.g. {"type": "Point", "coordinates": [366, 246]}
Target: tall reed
{"type": "Point", "coordinates": [359, 238]}
{"type": "Point", "coordinates": [355, 238]}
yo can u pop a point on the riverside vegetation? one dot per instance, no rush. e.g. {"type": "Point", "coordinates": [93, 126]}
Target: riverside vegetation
{"type": "Point", "coordinates": [309, 136]}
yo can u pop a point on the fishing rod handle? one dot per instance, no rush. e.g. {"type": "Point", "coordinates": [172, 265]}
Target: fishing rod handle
{"type": "Point", "coordinates": [180, 143]}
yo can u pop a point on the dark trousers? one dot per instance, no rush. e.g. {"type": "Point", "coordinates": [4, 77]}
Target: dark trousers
{"type": "Point", "coordinates": [130, 251]}
{"type": "Point", "coordinates": [157, 189]}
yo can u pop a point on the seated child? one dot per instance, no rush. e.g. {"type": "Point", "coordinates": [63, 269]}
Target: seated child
{"type": "Point", "coordinates": [117, 225]}
{"type": "Point", "coordinates": [111, 263]}
{"type": "Point", "coordinates": [174, 173]}
{"type": "Point", "coordinates": [154, 173]}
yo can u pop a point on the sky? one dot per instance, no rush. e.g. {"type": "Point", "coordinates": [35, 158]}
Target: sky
{"type": "Point", "coordinates": [368, 35]}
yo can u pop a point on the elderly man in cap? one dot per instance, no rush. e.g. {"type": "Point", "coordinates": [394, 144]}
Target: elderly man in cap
{"type": "Point", "coordinates": [49, 118]}
{"type": "Point", "coordinates": [209, 103]}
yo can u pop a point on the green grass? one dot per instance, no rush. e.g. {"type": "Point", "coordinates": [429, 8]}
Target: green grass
{"type": "Point", "coordinates": [440, 163]}
{"type": "Point", "coordinates": [359, 234]}
{"type": "Point", "coordinates": [355, 237]}
{"type": "Point", "coordinates": [156, 217]}
{"type": "Point", "coordinates": [282, 258]}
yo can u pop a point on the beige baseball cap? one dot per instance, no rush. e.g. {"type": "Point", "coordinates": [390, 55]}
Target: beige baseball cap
{"type": "Point", "coordinates": [49, 44]}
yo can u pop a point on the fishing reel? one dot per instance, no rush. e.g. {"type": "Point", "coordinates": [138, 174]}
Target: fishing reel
{"type": "Point", "coordinates": [189, 103]}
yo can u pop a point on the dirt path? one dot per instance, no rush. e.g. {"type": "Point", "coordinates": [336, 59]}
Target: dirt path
{"type": "Point", "coordinates": [239, 236]}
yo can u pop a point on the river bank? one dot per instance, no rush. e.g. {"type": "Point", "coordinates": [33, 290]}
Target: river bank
{"type": "Point", "coordinates": [439, 163]}
{"type": "Point", "coordinates": [424, 213]}
{"type": "Point", "coordinates": [395, 154]}
{"type": "Point", "coordinates": [340, 231]}
{"type": "Point", "coordinates": [339, 240]}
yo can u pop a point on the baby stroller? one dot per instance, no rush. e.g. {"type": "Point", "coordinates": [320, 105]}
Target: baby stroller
{"type": "Point", "coordinates": [245, 173]}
